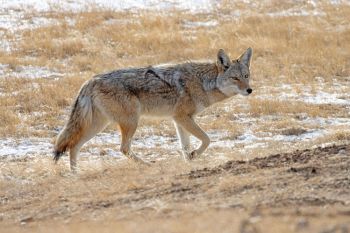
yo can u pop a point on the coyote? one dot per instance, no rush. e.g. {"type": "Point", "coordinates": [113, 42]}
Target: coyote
{"type": "Point", "coordinates": [176, 91]}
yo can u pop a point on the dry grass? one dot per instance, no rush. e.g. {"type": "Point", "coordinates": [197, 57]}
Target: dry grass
{"type": "Point", "coordinates": [33, 103]}
{"type": "Point", "coordinates": [340, 135]}
{"type": "Point", "coordinates": [173, 193]}
{"type": "Point", "coordinates": [260, 107]}
{"type": "Point", "coordinates": [282, 46]}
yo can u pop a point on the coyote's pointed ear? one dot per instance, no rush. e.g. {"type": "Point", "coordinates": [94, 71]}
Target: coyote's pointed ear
{"type": "Point", "coordinates": [223, 60]}
{"type": "Point", "coordinates": [246, 57]}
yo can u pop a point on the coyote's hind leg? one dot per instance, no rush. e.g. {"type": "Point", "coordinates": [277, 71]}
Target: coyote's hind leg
{"type": "Point", "coordinates": [99, 122]}
{"type": "Point", "coordinates": [128, 130]}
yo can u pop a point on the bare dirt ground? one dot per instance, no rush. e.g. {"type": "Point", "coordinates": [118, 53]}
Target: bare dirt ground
{"type": "Point", "coordinates": [302, 191]}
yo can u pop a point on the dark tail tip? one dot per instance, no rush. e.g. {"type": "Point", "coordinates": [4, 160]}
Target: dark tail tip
{"type": "Point", "coordinates": [57, 155]}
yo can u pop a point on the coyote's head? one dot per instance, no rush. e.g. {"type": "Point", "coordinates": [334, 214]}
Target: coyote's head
{"type": "Point", "coordinates": [234, 75]}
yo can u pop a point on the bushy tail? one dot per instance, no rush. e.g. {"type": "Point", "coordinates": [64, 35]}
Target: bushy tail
{"type": "Point", "coordinates": [80, 118]}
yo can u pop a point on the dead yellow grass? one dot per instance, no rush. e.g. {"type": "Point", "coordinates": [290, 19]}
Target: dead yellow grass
{"type": "Point", "coordinates": [173, 194]}
{"type": "Point", "coordinates": [282, 46]}
{"type": "Point", "coordinates": [47, 42]}
{"type": "Point", "coordinates": [9, 120]}
{"type": "Point", "coordinates": [259, 107]}
{"type": "Point", "coordinates": [338, 135]}
{"type": "Point", "coordinates": [29, 103]}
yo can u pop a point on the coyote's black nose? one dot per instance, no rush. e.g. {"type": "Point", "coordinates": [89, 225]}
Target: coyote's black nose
{"type": "Point", "coordinates": [249, 90]}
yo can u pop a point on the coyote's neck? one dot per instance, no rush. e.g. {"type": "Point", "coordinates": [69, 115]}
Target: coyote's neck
{"type": "Point", "coordinates": [209, 77]}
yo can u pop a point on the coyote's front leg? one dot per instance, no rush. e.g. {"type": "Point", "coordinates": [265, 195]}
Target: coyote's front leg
{"type": "Point", "coordinates": [184, 138]}
{"type": "Point", "coordinates": [187, 123]}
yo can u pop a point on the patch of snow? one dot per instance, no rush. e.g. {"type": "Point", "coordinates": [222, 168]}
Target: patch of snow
{"type": "Point", "coordinates": [20, 147]}
{"type": "Point", "coordinates": [248, 137]}
{"type": "Point", "coordinates": [327, 121]}
{"type": "Point", "coordinates": [296, 12]}
{"type": "Point", "coordinates": [83, 5]}
{"type": "Point", "coordinates": [14, 93]}
{"type": "Point", "coordinates": [286, 87]}
{"type": "Point", "coordinates": [16, 21]}
{"type": "Point", "coordinates": [211, 23]}
{"type": "Point", "coordinates": [320, 80]}
{"type": "Point", "coordinates": [256, 145]}
{"type": "Point", "coordinates": [255, 141]}
{"type": "Point", "coordinates": [113, 152]}
{"type": "Point", "coordinates": [32, 72]}
{"type": "Point", "coordinates": [86, 5]}
{"type": "Point", "coordinates": [156, 141]}
{"type": "Point", "coordinates": [105, 138]}
{"type": "Point", "coordinates": [121, 21]}
{"type": "Point", "coordinates": [339, 97]}
{"type": "Point", "coordinates": [11, 147]}
{"type": "Point", "coordinates": [322, 97]}
{"type": "Point", "coordinates": [305, 136]}
{"type": "Point", "coordinates": [338, 2]}
{"type": "Point", "coordinates": [150, 141]}
{"type": "Point", "coordinates": [5, 45]}
{"type": "Point", "coordinates": [3, 68]}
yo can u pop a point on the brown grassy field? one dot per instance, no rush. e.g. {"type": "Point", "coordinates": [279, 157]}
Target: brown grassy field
{"type": "Point", "coordinates": [306, 191]}
{"type": "Point", "coordinates": [270, 168]}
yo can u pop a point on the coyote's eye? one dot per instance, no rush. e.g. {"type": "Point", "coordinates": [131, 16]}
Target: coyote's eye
{"type": "Point", "coordinates": [246, 76]}
{"type": "Point", "coordinates": [235, 78]}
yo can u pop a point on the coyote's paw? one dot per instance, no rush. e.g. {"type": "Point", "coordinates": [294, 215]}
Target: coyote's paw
{"type": "Point", "coordinates": [193, 154]}
{"type": "Point", "coordinates": [185, 154]}
{"type": "Point", "coordinates": [136, 159]}
{"type": "Point", "coordinates": [142, 162]}
{"type": "Point", "coordinates": [188, 156]}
